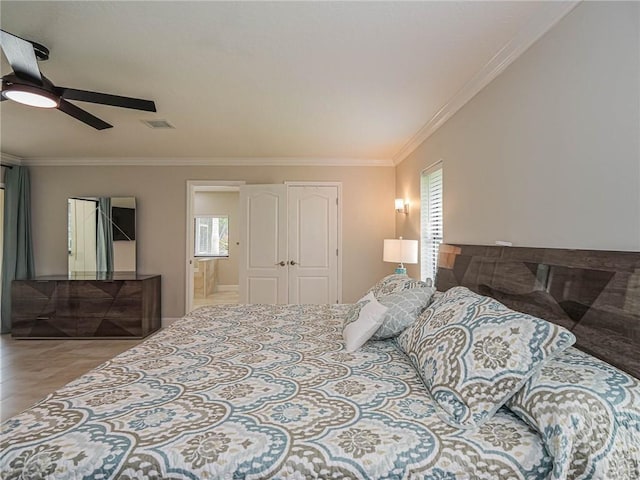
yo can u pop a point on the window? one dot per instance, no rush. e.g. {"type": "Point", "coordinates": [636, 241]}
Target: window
{"type": "Point", "coordinates": [431, 231]}
{"type": "Point", "coordinates": [212, 236]}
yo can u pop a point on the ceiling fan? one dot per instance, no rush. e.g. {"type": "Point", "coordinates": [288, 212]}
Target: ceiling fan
{"type": "Point", "coordinates": [28, 86]}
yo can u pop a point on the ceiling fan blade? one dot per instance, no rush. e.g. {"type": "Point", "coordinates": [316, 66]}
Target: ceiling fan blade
{"type": "Point", "coordinates": [106, 99]}
{"type": "Point", "coordinates": [82, 115]}
{"type": "Point", "coordinates": [21, 57]}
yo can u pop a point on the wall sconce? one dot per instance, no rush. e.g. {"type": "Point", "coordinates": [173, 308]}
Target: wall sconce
{"type": "Point", "coordinates": [402, 206]}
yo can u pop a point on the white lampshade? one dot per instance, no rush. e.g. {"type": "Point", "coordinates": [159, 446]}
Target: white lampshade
{"type": "Point", "coordinates": [400, 251]}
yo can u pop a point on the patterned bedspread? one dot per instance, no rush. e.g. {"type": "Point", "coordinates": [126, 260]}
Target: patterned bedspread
{"type": "Point", "coordinates": [258, 391]}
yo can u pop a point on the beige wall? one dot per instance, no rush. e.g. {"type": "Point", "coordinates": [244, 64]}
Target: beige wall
{"type": "Point", "coordinates": [548, 154]}
{"type": "Point", "coordinates": [368, 216]}
{"type": "Point", "coordinates": [223, 203]}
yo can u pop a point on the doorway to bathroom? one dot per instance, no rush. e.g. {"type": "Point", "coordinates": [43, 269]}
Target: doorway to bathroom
{"type": "Point", "coordinates": [212, 243]}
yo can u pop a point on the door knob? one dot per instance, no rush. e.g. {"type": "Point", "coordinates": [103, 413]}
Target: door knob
{"type": "Point", "coordinates": [282, 263]}
{"type": "Point", "coordinates": [293, 262]}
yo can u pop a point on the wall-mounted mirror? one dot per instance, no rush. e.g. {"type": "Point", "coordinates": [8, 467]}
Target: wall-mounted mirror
{"type": "Point", "coordinates": [101, 234]}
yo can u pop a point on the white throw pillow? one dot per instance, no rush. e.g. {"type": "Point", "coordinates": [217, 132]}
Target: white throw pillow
{"type": "Point", "coordinates": [369, 320]}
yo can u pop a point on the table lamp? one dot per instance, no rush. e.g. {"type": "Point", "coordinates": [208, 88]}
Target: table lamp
{"type": "Point", "coordinates": [400, 251]}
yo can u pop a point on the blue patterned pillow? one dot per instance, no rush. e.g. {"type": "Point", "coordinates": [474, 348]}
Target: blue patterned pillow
{"type": "Point", "coordinates": [395, 283]}
{"type": "Point", "coordinates": [403, 309]}
{"type": "Point", "coordinates": [588, 415]}
{"type": "Point", "coordinates": [436, 296]}
{"type": "Point", "coordinates": [473, 353]}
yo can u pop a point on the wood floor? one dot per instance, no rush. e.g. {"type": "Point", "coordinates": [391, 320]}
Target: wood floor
{"type": "Point", "coordinates": [31, 369]}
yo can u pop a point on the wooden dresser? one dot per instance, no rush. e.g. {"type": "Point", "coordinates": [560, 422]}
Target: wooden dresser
{"type": "Point", "coordinates": [86, 306]}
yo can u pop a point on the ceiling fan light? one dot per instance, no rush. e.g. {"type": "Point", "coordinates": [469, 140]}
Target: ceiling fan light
{"type": "Point", "coordinates": [30, 96]}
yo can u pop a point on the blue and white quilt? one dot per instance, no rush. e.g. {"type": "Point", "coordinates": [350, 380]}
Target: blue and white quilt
{"type": "Point", "coordinates": [259, 391]}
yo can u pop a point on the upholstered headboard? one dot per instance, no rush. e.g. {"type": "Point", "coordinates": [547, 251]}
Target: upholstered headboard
{"type": "Point", "coordinates": [593, 293]}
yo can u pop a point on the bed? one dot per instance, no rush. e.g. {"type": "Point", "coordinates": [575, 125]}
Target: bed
{"type": "Point", "coordinates": [268, 391]}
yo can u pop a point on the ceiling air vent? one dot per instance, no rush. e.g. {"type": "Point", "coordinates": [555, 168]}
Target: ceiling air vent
{"type": "Point", "coordinates": [157, 124]}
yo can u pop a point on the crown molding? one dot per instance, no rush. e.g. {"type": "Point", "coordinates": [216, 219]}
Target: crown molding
{"type": "Point", "coordinates": [212, 161]}
{"type": "Point", "coordinates": [536, 28]}
{"type": "Point", "coordinates": [9, 159]}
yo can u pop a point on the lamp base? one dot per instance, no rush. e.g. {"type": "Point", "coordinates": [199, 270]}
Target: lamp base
{"type": "Point", "coordinates": [401, 271]}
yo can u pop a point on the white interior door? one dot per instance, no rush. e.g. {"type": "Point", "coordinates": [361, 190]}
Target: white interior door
{"type": "Point", "coordinates": [313, 244]}
{"type": "Point", "coordinates": [263, 244]}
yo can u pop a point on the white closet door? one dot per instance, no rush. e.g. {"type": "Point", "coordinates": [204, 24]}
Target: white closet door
{"type": "Point", "coordinates": [313, 244]}
{"type": "Point", "coordinates": [263, 244]}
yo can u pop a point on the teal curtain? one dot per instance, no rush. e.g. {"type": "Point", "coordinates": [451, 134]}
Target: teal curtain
{"type": "Point", "coordinates": [17, 252]}
{"type": "Point", "coordinates": [104, 244]}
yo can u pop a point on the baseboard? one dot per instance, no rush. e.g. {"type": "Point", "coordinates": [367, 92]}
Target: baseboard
{"type": "Point", "coordinates": [166, 321]}
{"type": "Point", "coordinates": [227, 288]}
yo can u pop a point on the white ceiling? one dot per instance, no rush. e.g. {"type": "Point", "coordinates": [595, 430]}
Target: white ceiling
{"type": "Point", "coordinates": [308, 80]}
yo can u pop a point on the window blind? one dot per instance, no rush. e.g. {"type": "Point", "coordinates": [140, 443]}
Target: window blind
{"type": "Point", "coordinates": [431, 225]}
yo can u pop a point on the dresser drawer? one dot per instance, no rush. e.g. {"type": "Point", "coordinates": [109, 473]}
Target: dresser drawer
{"type": "Point", "coordinates": [86, 308]}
